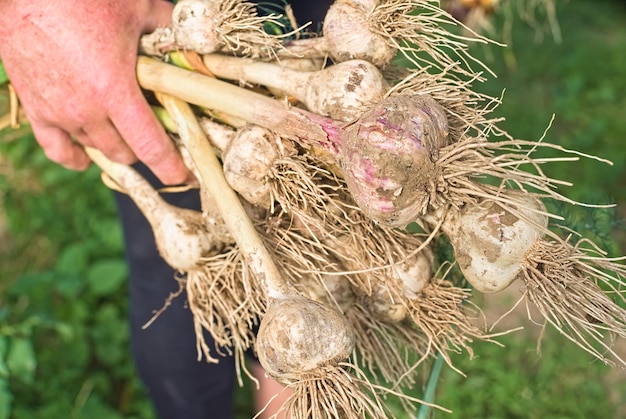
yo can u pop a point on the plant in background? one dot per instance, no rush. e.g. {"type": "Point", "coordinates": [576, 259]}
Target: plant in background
{"type": "Point", "coordinates": [64, 346]}
{"type": "Point", "coordinates": [479, 15]}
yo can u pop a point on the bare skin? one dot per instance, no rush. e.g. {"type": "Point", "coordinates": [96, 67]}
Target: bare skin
{"type": "Point", "coordinates": [270, 395]}
{"type": "Point", "coordinates": [72, 64]}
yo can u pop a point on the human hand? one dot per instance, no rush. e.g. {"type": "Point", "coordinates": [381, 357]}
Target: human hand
{"type": "Point", "coordinates": [72, 64]}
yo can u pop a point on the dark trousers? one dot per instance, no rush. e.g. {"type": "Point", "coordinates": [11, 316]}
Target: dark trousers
{"type": "Point", "coordinates": [165, 354]}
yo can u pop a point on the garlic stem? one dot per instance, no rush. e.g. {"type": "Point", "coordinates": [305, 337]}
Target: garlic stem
{"type": "Point", "coordinates": [226, 200]}
{"type": "Point", "coordinates": [253, 71]}
{"type": "Point", "coordinates": [343, 91]}
{"type": "Point", "coordinates": [207, 92]}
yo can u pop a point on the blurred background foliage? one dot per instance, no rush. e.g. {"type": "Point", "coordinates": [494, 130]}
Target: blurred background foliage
{"type": "Point", "coordinates": [63, 330]}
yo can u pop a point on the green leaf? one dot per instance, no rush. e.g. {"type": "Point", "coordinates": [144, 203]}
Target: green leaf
{"type": "Point", "coordinates": [106, 276]}
{"type": "Point", "coordinates": [70, 268]}
{"type": "Point", "coordinates": [5, 399]}
{"type": "Point", "coordinates": [4, 78]}
{"type": "Point", "coordinates": [21, 359]}
{"type": "Point", "coordinates": [95, 407]}
{"type": "Point", "coordinates": [69, 285]}
{"type": "Point", "coordinates": [73, 259]}
{"type": "Point", "coordinates": [110, 335]}
{"type": "Point", "coordinates": [110, 238]}
{"type": "Point", "coordinates": [4, 369]}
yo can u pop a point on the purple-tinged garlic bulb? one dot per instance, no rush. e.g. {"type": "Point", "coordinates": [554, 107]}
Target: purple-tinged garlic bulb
{"type": "Point", "coordinates": [388, 159]}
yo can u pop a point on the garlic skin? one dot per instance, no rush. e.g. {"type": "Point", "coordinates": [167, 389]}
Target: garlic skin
{"type": "Point", "coordinates": [414, 273]}
{"type": "Point", "coordinates": [347, 34]}
{"type": "Point", "coordinates": [407, 279]}
{"type": "Point", "coordinates": [248, 160]}
{"type": "Point", "coordinates": [490, 243]}
{"type": "Point", "coordinates": [298, 64]}
{"type": "Point", "coordinates": [195, 25]}
{"type": "Point", "coordinates": [345, 91]}
{"type": "Point", "coordinates": [181, 235]}
{"type": "Point", "coordinates": [298, 335]}
{"type": "Point", "coordinates": [182, 238]}
{"type": "Point", "coordinates": [388, 158]}
{"type": "Point", "coordinates": [333, 290]}
{"type": "Point", "coordinates": [384, 306]}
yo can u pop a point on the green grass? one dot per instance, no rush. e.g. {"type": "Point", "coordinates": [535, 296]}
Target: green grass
{"type": "Point", "coordinates": [63, 330]}
{"type": "Point", "coordinates": [516, 382]}
{"type": "Point", "coordinates": [581, 81]}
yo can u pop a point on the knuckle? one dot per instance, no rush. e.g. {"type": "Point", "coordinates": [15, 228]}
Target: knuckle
{"type": "Point", "coordinates": [57, 154]}
{"type": "Point", "coordinates": [66, 157]}
{"type": "Point", "coordinates": [120, 155]}
{"type": "Point", "coordinates": [113, 147]}
{"type": "Point", "coordinates": [151, 152]}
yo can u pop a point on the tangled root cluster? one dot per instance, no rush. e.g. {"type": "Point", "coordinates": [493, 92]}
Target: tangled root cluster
{"type": "Point", "coordinates": [403, 302]}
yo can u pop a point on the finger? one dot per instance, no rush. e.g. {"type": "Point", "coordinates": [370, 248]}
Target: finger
{"type": "Point", "coordinates": [59, 147]}
{"type": "Point", "coordinates": [105, 137]}
{"type": "Point", "coordinates": [160, 15]}
{"type": "Point", "coordinates": [146, 137]}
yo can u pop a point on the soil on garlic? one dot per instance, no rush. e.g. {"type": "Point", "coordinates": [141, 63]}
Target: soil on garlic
{"type": "Point", "coordinates": [490, 250]}
{"type": "Point", "coordinates": [388, 159]}
{"type": "Point", "coordinates": [413, 174]}
{"type": "Point", "coordinates": [297, 336]}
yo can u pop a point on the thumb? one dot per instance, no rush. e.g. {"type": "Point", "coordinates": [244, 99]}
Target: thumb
{"type": "Point", "coordinates": [160, 15]}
